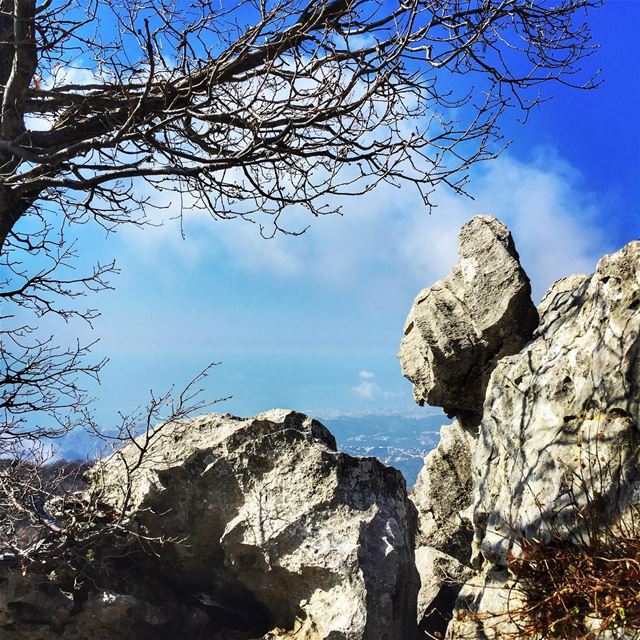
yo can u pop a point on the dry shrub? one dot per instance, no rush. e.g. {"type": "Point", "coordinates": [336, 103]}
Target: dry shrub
{"type": "Point", "coordinates": [584, 585]}
{"type": "Point", "coordinates": [578, 591]}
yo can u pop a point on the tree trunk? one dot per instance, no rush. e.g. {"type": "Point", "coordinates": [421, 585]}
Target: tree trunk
{"type": "Point", "coordinates": [11, 210]}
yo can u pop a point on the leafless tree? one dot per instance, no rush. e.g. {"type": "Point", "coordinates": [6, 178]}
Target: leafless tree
{"type": "Point", "coordinates": [241, 108]}
{"type": "Point", "coordinates": [52, 518]}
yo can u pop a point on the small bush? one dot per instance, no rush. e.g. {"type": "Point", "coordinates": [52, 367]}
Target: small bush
{"type": "Point", "coordinates": [580, 591]}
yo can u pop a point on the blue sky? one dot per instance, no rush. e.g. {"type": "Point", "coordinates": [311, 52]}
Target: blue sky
{"type": "Point", "coordinates": [314, 322]}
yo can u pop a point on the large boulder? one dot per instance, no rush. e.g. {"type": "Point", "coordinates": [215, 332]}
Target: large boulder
{"type": "Point", "coordinates": [558, 456]}
{"type": "Point", "coordinates": [460, 327]}
{"type": "Point", "coordinates": [264, 514]}
{"type": "Point", "coordinates": [559, 435]}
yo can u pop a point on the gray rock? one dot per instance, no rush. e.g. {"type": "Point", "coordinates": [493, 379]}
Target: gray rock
{"type": "Point", "coordinates": [443, 492]}
{"type": "Point", "coordinates": [559, 436]}
{"type": "Point", "coordinates": [35, 607]}
{"type": "Point", "coordinates": [484, 605]}
{"type": "Point", "coordinates": [559, 444]}
{"type": "Point", "coordinates": [266, 513]}
{"type": "Point", "coordinates": [460, 327]}
{"type": "Point", "coordinates": [441, 578]}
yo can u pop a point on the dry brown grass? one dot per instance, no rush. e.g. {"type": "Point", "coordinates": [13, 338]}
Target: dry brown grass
{"type": "Point", "coordinates": [579, 591]}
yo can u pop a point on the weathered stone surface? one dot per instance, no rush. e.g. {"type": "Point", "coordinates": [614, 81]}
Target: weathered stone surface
{"type": "Point", "coordinates": [265, 513]}
{"type": "Point", "coordinates": [559, 292]}
{"type": "Point", "coordinates": [559, 433]}
{"type": "Point", "coordinates": [443, 492]}
{"type": "Point", "coordinates": [559, 443]}
{"type": "Point", "coordinates": [437, 569]}
{"type": "Point", "coordinates": [484, 605]}
{"type": "Point", "coordinates": [462, 325]}
{"type": "Point", "coordinates": [441, 577]}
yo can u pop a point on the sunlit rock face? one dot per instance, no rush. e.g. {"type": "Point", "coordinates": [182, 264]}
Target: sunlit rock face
{"type": "Point", "coordinates": [264, 512]}
{"type": "Point", "coordinates": [443, 494]}
{"type": "Point", "coordinates": [460, 327]}
{"type": "Point", "coordinates": [547, 436]}
{"type": "Point", "coordinates": [560, 423]}
{"type": "Point", "coordinates": [558, 451]}
{"type": "Point", "coordinates": [260, 528]}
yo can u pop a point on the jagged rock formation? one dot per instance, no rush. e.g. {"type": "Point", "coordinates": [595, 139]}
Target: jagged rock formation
{"type": "Point", "coordinates": [558, 444]}
{"type": "Point", "coordinates": [265, 513]}
{"type": "Point", "coordinates": [561, 417]}
{"type": "Point", "coordinates": [441, 577]}
{"type": "Point", "coordinates": [443, 495]}
{"type": "Point", "coordinates": [462, 325]}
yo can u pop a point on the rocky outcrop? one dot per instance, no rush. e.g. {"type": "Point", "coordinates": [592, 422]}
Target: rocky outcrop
{"type": "Point", "coordinates": [455, 334]}
{"type": "Point", "coordinates": [558, 454]}
{"type": "Point", "coordinates": [264, 513]}
{"type": "Point", "coordinates": [557, 449]}
{"type": "Point", "coordinates": [460, 327]}
{"type": "Point", "coordinates": [260, 528]}
{"type": "Point", "coordinates": [559, 435]}
{"type": "Point", "coordinates": [443, 495]}
{"type": "Point", "coordinates": [443, 492]}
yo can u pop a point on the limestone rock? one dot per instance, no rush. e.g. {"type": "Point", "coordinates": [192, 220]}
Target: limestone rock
{"type": "Point", "coordinates": [462, 325]}
{"type": "Point", "coordinates": [484, 605]}
{"type": "Point", "coordinates": [265, 513]}
{"type": "Point", "coordinates": [558, 295]}
{"type": "Point", "coordinates": [441, 578]}
{"type": "Point", "coordinates": [559, 436]}
{"type": "Point", "coordinates": [442, 493]}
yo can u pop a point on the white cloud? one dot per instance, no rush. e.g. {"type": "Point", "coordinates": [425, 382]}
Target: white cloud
{"type": "Point", "coordinates": [388, 239]}
{"type": "Point", "coordinates": [78, 73]}
{"type": "Point", "coordinates": [367, 389]}
{"type": "Point", "coordinates": [386, 244]}
{"type": "Point", "coordinates": [552, 216]}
